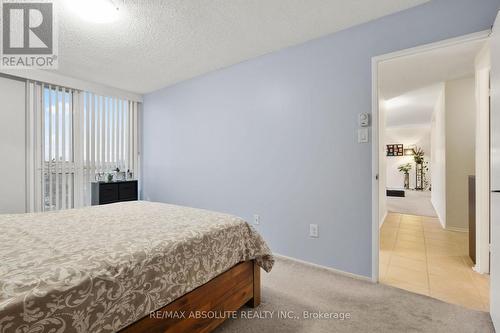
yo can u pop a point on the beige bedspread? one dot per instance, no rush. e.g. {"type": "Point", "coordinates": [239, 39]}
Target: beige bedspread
{"type": "Point", "coordinates": [98, 269]}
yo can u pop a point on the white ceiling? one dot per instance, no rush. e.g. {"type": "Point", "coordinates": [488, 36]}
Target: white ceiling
{"type": "Point", "coordinates": [413, 108]}
{"type": "Point", "coordinates": [409, 136]}
{"type": "Point", "coordinates": [410, 86]}
{"type": "Point", "coordinates": [401, 75]}
{"type": "Point", "coordinates": [158, 43]}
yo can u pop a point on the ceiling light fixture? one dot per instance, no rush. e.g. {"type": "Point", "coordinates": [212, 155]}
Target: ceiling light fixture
{"type": "Point", "coordinates": [96, 11]}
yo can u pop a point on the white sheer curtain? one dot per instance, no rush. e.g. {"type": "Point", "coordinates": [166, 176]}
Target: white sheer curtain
{"type": "Point", "coordinates": [72, 136]}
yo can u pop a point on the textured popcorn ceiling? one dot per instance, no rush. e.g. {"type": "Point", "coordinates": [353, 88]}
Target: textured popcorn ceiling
{"type": "Point", "coordinates": [157, 43]}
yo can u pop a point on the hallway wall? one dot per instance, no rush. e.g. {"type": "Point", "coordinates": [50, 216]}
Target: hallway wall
{"type": "Point", "coordinates": [460, 149]}
{"type": "Point", "coordinates": [438, 160]}
{"type": "Point", "coordinates": [416, 135]}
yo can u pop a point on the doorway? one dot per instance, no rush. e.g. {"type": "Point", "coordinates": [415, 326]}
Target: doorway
{"type": "Point", "coordinates": [422, 240]}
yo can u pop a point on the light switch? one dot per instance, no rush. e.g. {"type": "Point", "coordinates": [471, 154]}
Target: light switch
{"type": "Point", "coordinates": [363, 135]}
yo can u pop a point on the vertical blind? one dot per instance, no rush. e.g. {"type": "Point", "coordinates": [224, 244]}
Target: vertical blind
{"type": "Point", "coordinates": [72, 137]}
{"type": "Point", "coordinates": [109, 137]}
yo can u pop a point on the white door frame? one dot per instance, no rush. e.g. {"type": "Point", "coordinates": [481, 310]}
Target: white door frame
{"type": "Point", "coordinates": [482, 35]}
{"type": "Point", "coordinates": [483, 147]}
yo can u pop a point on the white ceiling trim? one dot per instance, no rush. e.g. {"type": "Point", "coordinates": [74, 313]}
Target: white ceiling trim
{"type": "Point", "coordinates": [69, 82]}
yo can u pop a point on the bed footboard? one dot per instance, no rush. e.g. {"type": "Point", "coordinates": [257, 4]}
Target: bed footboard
{"type": "Point", "coordinates": [227, 292]}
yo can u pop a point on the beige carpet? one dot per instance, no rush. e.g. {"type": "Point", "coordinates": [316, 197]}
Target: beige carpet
{"type": "Point", "coordinates": [298, 287]}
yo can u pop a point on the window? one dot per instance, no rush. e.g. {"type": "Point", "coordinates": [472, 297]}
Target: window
{"type": "Point", "coordinates": [58, 162]}
{"type": "Point", "coordinates": [76, 137]}
{"type": "Point", "coordinates": [109, 138]}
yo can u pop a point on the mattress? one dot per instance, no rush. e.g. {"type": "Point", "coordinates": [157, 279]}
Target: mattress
{"type": "Point", "coordinates": [98, 269]}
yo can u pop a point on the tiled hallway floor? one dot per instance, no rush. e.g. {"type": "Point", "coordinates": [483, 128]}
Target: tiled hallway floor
{"type": "Point", "coordinates": [418, 255]}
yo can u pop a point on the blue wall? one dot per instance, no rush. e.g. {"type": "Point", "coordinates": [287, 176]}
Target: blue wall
{"type": "Point", "coordinates": [276, 136]}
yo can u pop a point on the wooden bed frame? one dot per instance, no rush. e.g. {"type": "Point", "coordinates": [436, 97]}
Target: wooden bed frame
{"type": "Point", "coordinates": [227, 292]}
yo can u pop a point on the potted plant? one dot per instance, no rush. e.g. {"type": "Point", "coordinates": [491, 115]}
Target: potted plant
{"type": "Point", "coordinates": [421, 168]}
{"type": "Point", "coordinates": [426, 181]}
{"type": "Point", "coordinates": [418, 156]}
{"type": "Point", "coordinates": [405, 169]}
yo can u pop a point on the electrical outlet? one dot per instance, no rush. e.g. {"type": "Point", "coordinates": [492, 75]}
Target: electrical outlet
{"type": "Point", "coordinates": [256, 219]}
{"type": "Point", "coordinates": [313, 231]}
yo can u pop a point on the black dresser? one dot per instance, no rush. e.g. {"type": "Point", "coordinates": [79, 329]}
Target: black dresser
{"type": "Point", "coordinates": [109, 192]}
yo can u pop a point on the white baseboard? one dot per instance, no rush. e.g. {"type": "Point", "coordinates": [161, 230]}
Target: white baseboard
{"type": "Point", "coordinates": [457, 229]}
{"type": "Point", "coordinates": [477, 270]}
{"type": "Point", "coordinates": [333, 270]}
{"type": "Point", "coordinates": [441, 221]}
{"type": "Point", "coordinates": [383, 220]}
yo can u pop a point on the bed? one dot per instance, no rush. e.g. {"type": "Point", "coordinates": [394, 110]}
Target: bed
{"type": "Point", "coordinates": [124, 266]}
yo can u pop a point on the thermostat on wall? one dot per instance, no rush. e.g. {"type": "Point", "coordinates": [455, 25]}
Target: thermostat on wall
{"type": "Point", "coordinates": [364, 119]}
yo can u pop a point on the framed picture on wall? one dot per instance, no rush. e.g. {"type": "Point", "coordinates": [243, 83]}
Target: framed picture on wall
{"type": "Point", "coordinates": [395, 150]}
